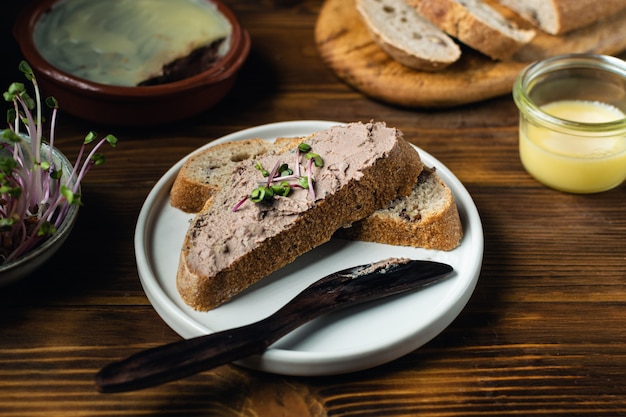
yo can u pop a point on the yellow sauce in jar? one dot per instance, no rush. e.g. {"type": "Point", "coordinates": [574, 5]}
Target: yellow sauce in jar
{"type": "Point", "coordinates": [579, 163]}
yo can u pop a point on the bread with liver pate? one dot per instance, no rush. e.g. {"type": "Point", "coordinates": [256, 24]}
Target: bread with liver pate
{"type": "Point", "coordinates": [225, 250]}
{"type": "Point", "coordinates": [427, 218]}
{"type": "Point", "coordinates": [204, 173]}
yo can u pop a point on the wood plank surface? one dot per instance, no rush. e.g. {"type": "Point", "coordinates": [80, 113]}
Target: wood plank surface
{"type": "Point", "coordinates": [542, 335]}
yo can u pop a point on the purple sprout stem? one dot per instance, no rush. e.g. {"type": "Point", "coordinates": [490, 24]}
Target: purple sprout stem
{"type": "Point", "coordinates": [310, 179]}
{"type": "Point", "coordinates": [277, 179]}
{"type": "Point", "coordinates": [297, 167]}
{"type": "Point", "coordinates": [42, 199]}
{"type": "Point", "coordinates": [86, 165]}
{"type": "Point", "coordinates": [26, 243]}
{"type": "Point", "coordinates": [53, 120]}
{"type": "Point", "coordinates": [270, 177]}
{"type": "Point", "coordinates": [240, 203]}
{"type": "Point", "coordinates": [33, 128]}
{"type": "Point", "coordinates": [74, 172]}
{"type": "Point", "coordinates": [39, 125]}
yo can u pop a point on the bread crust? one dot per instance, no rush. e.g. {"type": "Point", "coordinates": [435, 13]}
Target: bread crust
{"type": "Point", "coordinates": [460, 22]}
{"type": "Point", "coordinates": [192, 189]}
{"type": "Point", "coordinates": [433, 228]}
{"type": "Point", "coordinates": [204, 172]}
{"type": "Point", "coordinates": [558, 17]}
{"type": "Point", "coordinates": [381, 182]}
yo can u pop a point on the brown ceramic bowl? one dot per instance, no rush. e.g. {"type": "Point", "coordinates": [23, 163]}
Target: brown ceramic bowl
{"type": "Point", "coordinates": [133, 106]}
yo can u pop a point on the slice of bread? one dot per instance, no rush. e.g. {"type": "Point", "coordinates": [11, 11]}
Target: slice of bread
{"type": "Point", "coordinates": [477, 25]}
{"type": "Point", "coordinates": [557, 17]}
{"type": "Point", "coordinates": [204, 173]}
{"type": "Point", "coordinates": [427, 218]}
{"type": "Point", "coordinates": [407, 36]}
{"type": "Point", "coordinates": [226, 249]}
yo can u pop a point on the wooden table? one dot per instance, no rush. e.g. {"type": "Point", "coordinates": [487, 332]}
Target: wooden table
{"type": "Point", "coordinates": [543, 334]}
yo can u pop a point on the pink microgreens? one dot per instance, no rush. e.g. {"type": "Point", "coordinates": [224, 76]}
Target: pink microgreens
{"type": "Point", "coordinates": [310, 179]}
{"type": "Point", "coordinates": [270, 178]}
{"type": "Point", "coordinates": [277, 182]}
{"type": "Point", "coordinates": [34, 197]}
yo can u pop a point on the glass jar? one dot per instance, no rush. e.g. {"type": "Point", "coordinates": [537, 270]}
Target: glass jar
{"type": "Point", "coordinates": [572, 129]}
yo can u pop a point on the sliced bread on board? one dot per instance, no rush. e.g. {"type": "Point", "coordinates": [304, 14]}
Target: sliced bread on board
{"type": "Point", "coordinates": [557, 17]}
{"type": "Point", "coordinates": [476, 24]}
{"type": "Point", "coordinates": [407, 36]}
{"type": "Point", "coordinates": [230, 246]}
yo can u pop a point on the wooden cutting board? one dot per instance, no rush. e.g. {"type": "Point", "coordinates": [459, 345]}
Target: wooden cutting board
{"type": "Point", "coordinates": [346, 47]}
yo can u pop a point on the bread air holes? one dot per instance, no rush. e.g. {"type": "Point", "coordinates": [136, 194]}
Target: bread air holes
{"type": "Point", "coordinates": [436, 40]}
{"type": "Point", "coordinates": [240, 156]}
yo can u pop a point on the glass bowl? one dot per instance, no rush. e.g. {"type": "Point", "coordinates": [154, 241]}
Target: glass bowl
{"type": "Point", "coordinates": [28, 263]}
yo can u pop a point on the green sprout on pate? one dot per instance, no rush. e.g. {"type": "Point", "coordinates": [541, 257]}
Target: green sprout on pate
{"type": "Point", "coordinates": [34, 197]}
{"type": "Point", "coordinates": [282, 178]}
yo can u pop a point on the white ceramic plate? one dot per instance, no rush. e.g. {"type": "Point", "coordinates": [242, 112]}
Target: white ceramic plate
{"type": "Point", "coordinates": [345, 341]}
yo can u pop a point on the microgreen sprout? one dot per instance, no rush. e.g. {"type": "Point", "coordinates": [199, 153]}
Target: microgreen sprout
{"type": "Point", "coordinates": [304, 147]}
{"type": "Point", "coordinates": [282, 178]}
{"type": "Point", "coordinates": [264, 172]}
{"type": "Point", "coordinates": [285, 171]}
{"type": "Point", "coordinates": [35, 197]}
{"type": "Point", "coordinates": [317, 160]}
{"type": "Point", "coordinates": [261, 193]}
{"type": "Point", "coordinates": [303, 182]}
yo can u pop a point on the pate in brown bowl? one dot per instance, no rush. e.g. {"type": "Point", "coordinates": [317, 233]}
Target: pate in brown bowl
{"type": "Point", "coordinates": [133, 62]}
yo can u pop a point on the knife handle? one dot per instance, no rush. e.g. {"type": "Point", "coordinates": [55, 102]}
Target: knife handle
{"type": "Point", "coordinates": [184, 358]}
{"type": "Point", "coordinates": [180, 359]}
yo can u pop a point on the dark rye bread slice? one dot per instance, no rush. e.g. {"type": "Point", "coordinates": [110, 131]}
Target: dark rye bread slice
{"type": "Point", "coordinates": [365, 167]}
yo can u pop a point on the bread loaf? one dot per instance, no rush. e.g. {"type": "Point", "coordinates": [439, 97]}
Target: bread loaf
{"type": "Point", "coordinates": [407, 36]}
{"type": "Point", "coordinates": [477, 25]}
{"type": "Point", "coordinates": [557, 17]}
{"type": "Point", "coordinates": [225, 250]}
{"type": "Point", "coordinates": [427, 218]}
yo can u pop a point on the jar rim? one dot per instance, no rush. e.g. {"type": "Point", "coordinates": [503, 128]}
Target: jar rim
{"type": "Point", "coordinates": [523, 84]}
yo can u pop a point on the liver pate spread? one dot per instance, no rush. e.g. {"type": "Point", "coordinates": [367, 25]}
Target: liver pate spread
{"type": "Point", "coordinates": [133, 42]}
{"type": "Point", "coordinates": [219, 236]}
